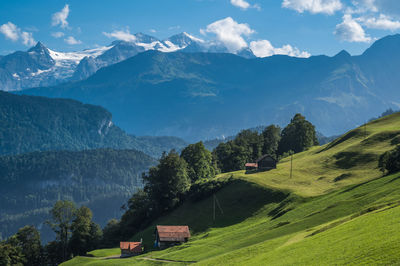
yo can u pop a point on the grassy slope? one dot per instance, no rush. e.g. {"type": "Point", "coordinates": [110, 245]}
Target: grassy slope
{"type": "Point", "coordinates": [334, 210]}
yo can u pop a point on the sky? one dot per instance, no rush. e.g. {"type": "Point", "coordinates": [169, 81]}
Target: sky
{"type": "Point", "coordinates": [294, 27]}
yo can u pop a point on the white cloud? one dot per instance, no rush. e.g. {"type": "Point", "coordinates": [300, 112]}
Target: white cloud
{"type": "Point", "coordinates": [264, 48]}
{"type": "Point", "coordinates": [58, 34]}
{"type": "Point", "coordinates": [27, 38]}
{"type": "Point", "coordinates": [72, 41]}
{"type": "Point", "coordinates": [381, 23]}
{"type": "Point", "coordinates": [152, 30]}
{"type": "Point", "coordinates": [351, 31]}
{"type": "Point", "coordinates": [314, 6]}
{"type": "Point", "coordinates": [60, 18]}
{"type": "Point", "coordinates": [12, 32]}
{"type": "Point", "coordinates": [177, 27]}
{"type": "Point", "coordinates": [229, 32]}
{"type": "Point", "coordinates": [244, 4]}
{"type": "Point", "coordinates": [121, 35]}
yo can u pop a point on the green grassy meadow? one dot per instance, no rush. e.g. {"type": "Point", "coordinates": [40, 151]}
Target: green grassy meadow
{"type": "Point", "coordinates": [337, 209]}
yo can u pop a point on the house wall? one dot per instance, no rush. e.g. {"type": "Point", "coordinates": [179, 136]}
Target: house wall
{"type": "Point", "coordinates": [267, 163]}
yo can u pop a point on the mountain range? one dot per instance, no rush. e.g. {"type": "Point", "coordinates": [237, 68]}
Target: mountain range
{"type": "Point", "coordinates": [207, 95]}
{"type": "Point", "coordinates": [41, 66]}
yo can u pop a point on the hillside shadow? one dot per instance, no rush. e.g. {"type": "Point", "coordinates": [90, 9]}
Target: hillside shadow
{"type": "Point", "coordinates": [233, 204]}
{"type": "Point", "coordinates": [346, 160]}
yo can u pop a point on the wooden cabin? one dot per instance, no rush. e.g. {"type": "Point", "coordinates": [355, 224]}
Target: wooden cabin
{"type": "Point", "coordinates": [264, 163]}
{"type": "Point", "coordinates": [171, 235]}
{"type": "Point", "coordinates": [129, 249]}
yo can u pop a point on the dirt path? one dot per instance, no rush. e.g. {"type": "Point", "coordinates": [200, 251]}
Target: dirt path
{"type": "Point", "coordinates": [166, 260]}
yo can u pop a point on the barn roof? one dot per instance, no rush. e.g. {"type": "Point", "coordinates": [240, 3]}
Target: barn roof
{"type": "Point", "coordinates": [129, 245]}
{"type": "Point", "coordinates": [265, 156]}
{"type": "Point", "coordinates": [173, 232]}
{"type": "Point", "coordinates": [251, 165]}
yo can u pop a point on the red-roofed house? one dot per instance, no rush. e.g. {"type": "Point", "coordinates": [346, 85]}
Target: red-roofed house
{"type": "Point", "coordinates": [170, 235]}
{"type": "Point", "coordinates": [130, 248]}
{"type": "Point", "coordinates": [251, 166]}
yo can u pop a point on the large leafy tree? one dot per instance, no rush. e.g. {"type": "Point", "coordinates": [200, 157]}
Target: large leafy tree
{"type": "Point", "coordinates": [166, 182]}
{"type": "Point", "coordinates": [62, 215]}
{"type": "Point", "coordinates": [111, 233]}
{"type": "Point", "coordinates": [11, 255]}
{"type": "Point", "coordinates": [96, 235]}
{"type": "Point", "coordinates": [298, 136]}
{"type": "Point", "coordinates": [199, 160]}
{"type": "Point", "coordinates": [80, 227]}
{"type": "Point", "coordinates": [252, 144]}
{"type": "Point", "coordinates": [137, 214]}
{"type": "Point", "coordinates": [271, 136]}
{"type": "Point", "coordinates": [28, 240]}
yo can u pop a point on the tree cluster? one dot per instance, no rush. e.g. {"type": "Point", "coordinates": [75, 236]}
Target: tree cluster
{"type": "Point", "coordinates": [23, 248]}
{"type": "Point", "coordinates": [249, 145]}
{"type": "Point", "coordinates": [76, 234]}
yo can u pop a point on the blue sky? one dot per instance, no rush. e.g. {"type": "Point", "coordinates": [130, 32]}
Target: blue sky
{"type": "Point", "coordinates": [295, 27]}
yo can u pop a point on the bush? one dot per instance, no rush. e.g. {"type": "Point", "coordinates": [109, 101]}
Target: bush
{"type": "Point", "coordinates": [390, 161]}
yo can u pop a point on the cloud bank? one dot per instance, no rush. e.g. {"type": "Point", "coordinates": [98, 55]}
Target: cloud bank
{"type": "Point", "coordinates": [233, 36]}
{"type": "Point", "coordinates": [264, 48]}
{"type": "Point", "coordinates": [13, 33]}
{"type": "Point", "coordinates": [121, 35]}
{"type": "Point", "coordinates": [314, 6]}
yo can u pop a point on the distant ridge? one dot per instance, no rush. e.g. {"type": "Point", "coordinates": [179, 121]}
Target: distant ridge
{"type": "Point", "coordinates": [209, 95]}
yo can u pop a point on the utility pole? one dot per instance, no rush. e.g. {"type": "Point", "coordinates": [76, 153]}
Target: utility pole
{"type": "Point", "coordinates": [365, 130]}
{"type": "Point", "coordinates": [291, 166]}
{"type": "Point", "coordinates": [214, 207]}
{"type": "Point", "coordinates": [215, 200]}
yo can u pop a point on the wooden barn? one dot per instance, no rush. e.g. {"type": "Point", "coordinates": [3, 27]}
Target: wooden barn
{"type": "Point", "coordinates": [170, 235]}
{"type": "Point", "coordinates": [264, 163]}
{"type": "Point", "coordinates": [130, 248]}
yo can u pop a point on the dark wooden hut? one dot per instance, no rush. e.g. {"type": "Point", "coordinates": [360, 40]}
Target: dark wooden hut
{"type": "Point", "coordinates": [170, 235]}
{"type": "Point", "coordinates": [266, 162]}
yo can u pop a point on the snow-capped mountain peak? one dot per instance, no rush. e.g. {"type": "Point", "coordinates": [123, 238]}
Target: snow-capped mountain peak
{"type": "Point", "coordinates": [38, 48]}
{"type": "Point", "coordinates": [76, 57]}
{"type": "Point", "coordinates": [40, 66]}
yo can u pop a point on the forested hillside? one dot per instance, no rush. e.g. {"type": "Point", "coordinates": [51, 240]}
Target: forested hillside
{"type": "Point", "coordinates": [102, 179]}
{"type": "Point", "coordinates": [31, 123]}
